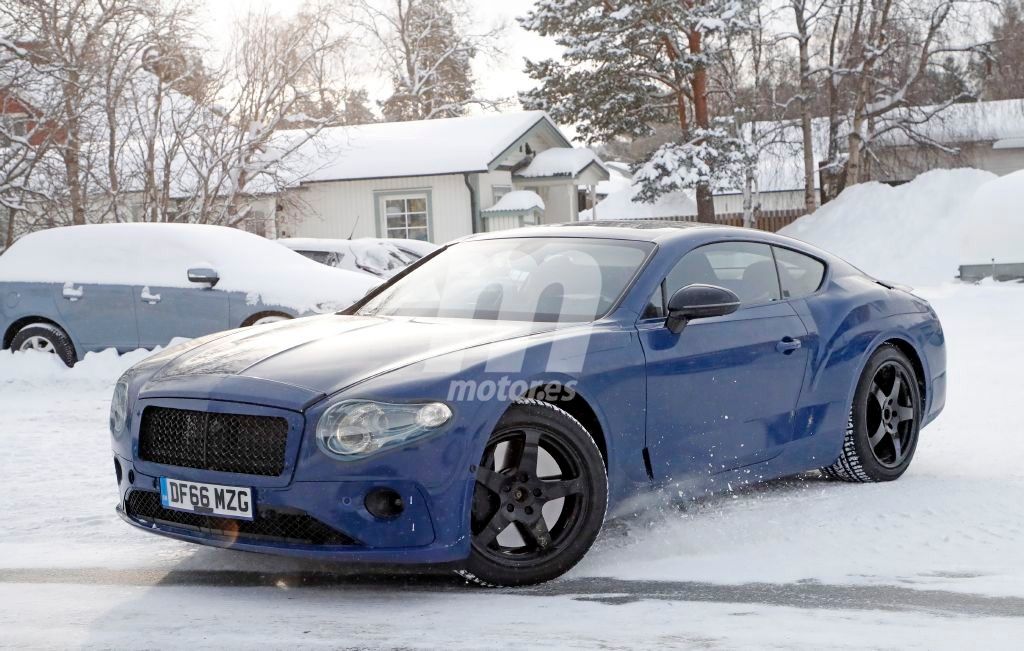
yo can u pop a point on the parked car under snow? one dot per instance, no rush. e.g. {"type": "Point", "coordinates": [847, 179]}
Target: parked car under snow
{"type": "Point", "coordinates": [377, 257]}
{"type": "Point", "coordinates": [72, 290]}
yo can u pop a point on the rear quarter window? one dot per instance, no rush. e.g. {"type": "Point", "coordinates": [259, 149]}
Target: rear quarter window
{"type": "Point", "coordinates": [799, 275]}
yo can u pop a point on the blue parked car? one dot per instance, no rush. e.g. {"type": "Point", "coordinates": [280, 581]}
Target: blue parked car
{"type": "Point", "coordinates": [486, 408]}
{"type": "Point", "coordinates": [72, 290]}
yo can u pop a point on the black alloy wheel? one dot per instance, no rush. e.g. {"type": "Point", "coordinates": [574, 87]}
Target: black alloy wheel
{"type": "Point", "coordinates": [885, 421]}
{"type": "Point", "coordinates": [540, 497]}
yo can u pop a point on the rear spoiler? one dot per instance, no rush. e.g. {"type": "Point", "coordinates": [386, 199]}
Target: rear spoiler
{"type": "Point", "coordinates": [888, 285]}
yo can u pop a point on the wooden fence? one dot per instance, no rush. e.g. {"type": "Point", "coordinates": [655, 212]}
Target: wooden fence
{"type": "Point", "coordinates": [769, 220]}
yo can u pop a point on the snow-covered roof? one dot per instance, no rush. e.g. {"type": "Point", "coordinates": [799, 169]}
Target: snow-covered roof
{"type": "Point", "coordinates": [560, 161]}
{"type": "Point", "coordinates": [619, 178]}
{"type": "Point", "coordinates": [780, 159]}
{"type": "Point", "coordinates": [517, 201]}
{"type": "Point", "coordinates": [159, 255]}
{"type": "Point", "coordinates": [620, 205]}
{"type": "Point", "coordinates": [417, 148]}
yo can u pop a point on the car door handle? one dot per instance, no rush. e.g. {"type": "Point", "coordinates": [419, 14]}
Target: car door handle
{"type": "Point", "coordinates": [787, 345]}
{"type": "Point", "coordinates": [149, 298]}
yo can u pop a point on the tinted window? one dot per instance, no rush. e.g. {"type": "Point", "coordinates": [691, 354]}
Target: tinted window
{"type": "Point", "coordinates": [799, 274]}
{"type": "Point", "coordinates": [746, 268]}
{"type": "Point", "coordinates": [566, 279]}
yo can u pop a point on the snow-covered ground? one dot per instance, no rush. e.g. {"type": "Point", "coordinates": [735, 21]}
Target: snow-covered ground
{"type": "Point", "coordinates": [933, 560]}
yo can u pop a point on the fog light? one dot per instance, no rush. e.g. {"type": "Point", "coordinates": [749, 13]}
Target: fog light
{"type": "Point", "coordinates": [384, 503]}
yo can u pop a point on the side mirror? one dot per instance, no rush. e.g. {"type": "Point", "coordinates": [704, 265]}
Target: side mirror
{"type": "Point", "coordinates": [699, 302]}
{"type": "Point", "coordinates": [203, 275]}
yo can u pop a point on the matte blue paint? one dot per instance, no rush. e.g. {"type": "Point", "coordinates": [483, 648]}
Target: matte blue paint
{"type": "Point", "coordinates": [718, 405]}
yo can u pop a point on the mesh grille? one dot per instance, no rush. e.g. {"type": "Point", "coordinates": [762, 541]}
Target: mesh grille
{"type": "Point", "coordinates": [268, 525]}
{"type": "Point", "coordinates": [241, 443]}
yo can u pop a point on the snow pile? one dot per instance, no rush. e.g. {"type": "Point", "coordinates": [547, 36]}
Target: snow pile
{"type": "Point", "coordinates": [996, 229]}
{"type": "Point", "coordinates": [910, 234]}
{"type": "Point", "coordinates": [159, 255]}
{"type": "Point", "coordinates": [518, 201]}
{"type": "Point", "coordinates": [38, 368]}
{"type": "Point", "coordinates": [620, 205]}
{"type": "Point", "coordinates": [559, 161]}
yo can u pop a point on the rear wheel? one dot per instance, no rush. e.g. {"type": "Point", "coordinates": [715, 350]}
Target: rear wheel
{"type": "Point", "coordinates": [540, 497]}
{"type": "Point", "coordinates": [45, 338]}
{"type": "Point", "coordinates": [884, 423]}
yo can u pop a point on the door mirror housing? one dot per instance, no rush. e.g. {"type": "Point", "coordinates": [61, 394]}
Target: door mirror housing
{"type": "Point", "coordinates": [699, 302]}
{"type": "Point", "coordinates": [203, 275]}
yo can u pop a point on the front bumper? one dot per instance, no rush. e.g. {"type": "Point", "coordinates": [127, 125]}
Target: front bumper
{"type": "Point", "coordinates": [434, 476]}
{"type": "Point", "coordinates": [318, 520]}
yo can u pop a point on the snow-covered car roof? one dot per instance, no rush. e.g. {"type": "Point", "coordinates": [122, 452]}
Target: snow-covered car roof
{"type": "Point", "coordinates": [161, 254]}
{"type": "Point", "coordinates": [371, 255]}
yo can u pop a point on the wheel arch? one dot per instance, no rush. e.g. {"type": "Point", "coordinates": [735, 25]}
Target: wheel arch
{"type": "Point", "coordinates": [916, 361]}
{"type": "Point", "coordinates": [21, 322]}
{"type": "Point", "coordinates": [566, 396]}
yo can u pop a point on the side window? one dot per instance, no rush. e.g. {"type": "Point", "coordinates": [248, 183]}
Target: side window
{"type": "Point", "coordinates": [656, 306]}
{"type": "Point", "coordinates": [746, 268]}
{"type": "Point", "coordinates": [800, 274]}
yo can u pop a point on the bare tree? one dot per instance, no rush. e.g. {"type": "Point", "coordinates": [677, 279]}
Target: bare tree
{"type": "Point", "coordinates": [426, 47]}
{"type": "Point", "coordinates": [273, 71]}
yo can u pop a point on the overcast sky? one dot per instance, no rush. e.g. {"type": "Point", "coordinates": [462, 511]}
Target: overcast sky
{"type": "Point", "coordinates": [497, 78]}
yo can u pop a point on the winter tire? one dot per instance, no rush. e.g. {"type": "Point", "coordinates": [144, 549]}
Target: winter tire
{"type": "Point", "coordinates": [46, 338]}
{"type": "Point", "coordinates": [540, 497]}
{"type": "Point", "coordinates": [884, 423]}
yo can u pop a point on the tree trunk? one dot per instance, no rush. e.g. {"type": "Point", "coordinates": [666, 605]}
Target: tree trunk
{"type": "Point", "coordinates": [702, 119]}
{"type": "Point", "coordinates": [9, 239]}
{"type": "Point", "coordinates": [810, 197]}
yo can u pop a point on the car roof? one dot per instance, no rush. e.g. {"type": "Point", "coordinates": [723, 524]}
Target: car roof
{"type": "Point", "coordinates": [657, 231]}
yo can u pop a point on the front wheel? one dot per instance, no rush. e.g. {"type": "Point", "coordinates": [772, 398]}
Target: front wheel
{"type": "Point", "coordinates": [45, 338]}
{"type": "Point", "coordinates": [540, 497]}
{"type": "Point", "coordinates": [884, 423]}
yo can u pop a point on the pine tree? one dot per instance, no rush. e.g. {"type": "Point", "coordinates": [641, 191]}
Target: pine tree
{"type": "Point", "coordinates": [630, 65]}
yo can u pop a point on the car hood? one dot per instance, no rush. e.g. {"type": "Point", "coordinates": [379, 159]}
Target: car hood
{"type": "Point", "coordinates": [322, 355]}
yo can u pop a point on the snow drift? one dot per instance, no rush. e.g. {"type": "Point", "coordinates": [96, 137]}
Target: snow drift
{"type": "Point", "coordinates": [159, 255]}
{"type": "Point", "coordinates": [920, 232]}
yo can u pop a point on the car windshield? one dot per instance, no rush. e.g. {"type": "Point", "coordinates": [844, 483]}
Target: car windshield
{"type": "Point", "coordinates": [517, 279]}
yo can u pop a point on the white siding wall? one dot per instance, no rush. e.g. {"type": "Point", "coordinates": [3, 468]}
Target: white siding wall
{"type": "Point", "coordinates": [488, 181]}
{"type": "Point", "coordinates": [331, 209]}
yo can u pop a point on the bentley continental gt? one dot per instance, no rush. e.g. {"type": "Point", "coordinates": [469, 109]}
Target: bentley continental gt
{"type": "Point", "coordinates": [488, 407]}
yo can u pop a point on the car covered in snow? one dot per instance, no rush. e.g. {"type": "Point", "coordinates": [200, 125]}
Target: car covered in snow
{"type": "Point", "coordinates": [488, 409]}
{"type": "Point", "coordinates": [77, 289]}
{"type": "Point", "coordinates": [373, 256]}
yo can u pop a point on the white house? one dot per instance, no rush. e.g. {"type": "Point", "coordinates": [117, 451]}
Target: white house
{"type": "Point", "coordinates": [437, 180]}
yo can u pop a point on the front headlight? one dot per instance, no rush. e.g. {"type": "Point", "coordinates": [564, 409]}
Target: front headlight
{"type": "Point", "coordinates": [119, 405]}
{"type": "Point", "coordinates": [353, 429]}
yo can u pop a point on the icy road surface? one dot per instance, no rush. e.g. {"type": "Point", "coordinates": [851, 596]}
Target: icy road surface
{"type": "Point", "coordinates": [933, 560]}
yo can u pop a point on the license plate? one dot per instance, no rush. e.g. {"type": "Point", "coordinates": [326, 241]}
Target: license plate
{"type": "Point", "coordinates": [208, 499]}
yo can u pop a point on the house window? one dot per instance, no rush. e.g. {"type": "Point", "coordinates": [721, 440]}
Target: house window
{"type": "Point", "coordinates": [499, 191]}
{"type": "Point", "coordinates": [407, 217]}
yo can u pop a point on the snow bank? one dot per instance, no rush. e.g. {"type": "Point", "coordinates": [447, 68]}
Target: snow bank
{"type": "Point", "coordinates": [996, 227]}
{"type": "Point", "coordinates": [913, 233]}
{"type": "Point", "coordinates": [159, 255]}
{"type": "Point", "coordinates": [620, 205]}
{"type": "Point", "coordinates": [35, 367]}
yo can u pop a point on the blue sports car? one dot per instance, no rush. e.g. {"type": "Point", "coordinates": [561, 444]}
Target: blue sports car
{"type": "Point", "coordinates": [486, 408]}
